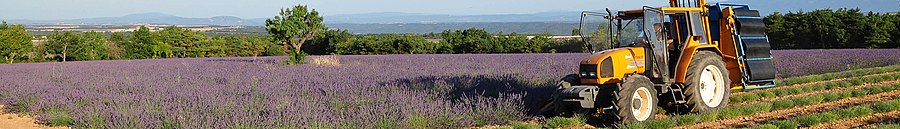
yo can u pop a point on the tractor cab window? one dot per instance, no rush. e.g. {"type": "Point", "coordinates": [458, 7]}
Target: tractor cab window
{"type": "Point", "coordinates": [596, 30]}
{"type": "Point", "coordinates": [699, 29]}
{"type": "Point", "coordinates": [632, 33]}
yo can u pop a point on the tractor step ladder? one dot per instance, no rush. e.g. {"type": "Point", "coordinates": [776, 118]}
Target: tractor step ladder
{"type": "Point", "coordinates": [677, 94]}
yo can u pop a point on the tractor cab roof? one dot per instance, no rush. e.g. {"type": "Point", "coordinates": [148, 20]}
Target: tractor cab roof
{"type": "Point", "coordinates": [631, 14]}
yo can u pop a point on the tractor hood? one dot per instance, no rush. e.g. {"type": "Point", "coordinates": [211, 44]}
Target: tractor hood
{"type": "Point", "coordinates": [610, 66]}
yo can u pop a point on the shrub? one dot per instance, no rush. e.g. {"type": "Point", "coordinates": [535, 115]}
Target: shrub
{"type": "Point", "coordinates": [660, 124]}
{"type": "Point", "coordinates": [736, 99]}
{"type": "Point", "coordinates": [522, 125]}
{"type": "Point", "coordinates": [887, 106]}
{"type": "Point", "coordinates": [768, 94]}
{"type": "Point", "coordinates": [58, 116]}
{"type": "Point", "coordinates": [687, 119]}
{"type": "Point", "coordinates": [832, 96]}
{"type": "Point", "coordinates": [830, 85]}
{"type": "Point", "coordinates": [767, 126]}
{"type": "Point", "coordinates": [846, 94]}
{"type": "Point", "coordinates": [802, 101]}
{"type": "Point", "coordinates": [859, 111]}
{"type": "Point", "coordinates": [634, 126]}
{"type": "Point", "coordinates": [888, 126]}
{"type": "Point", "coordinates": [860, 92]}
{"type": "Point", "coordinates": [781, 92]}
{"type": "Point", "coordinates": [876, 89]}
{"type": "Point", "coordinates": [297, 58]}
{"type": "Point", "coordinates": [709, 116]}
{"type": "Point", "coordinates": [786, 124]}
{"type": "Point", "coordinates": [812, 87]}
{"type": "Point", "coordinates": [794, 90]}
{"type": "Point", "coordinates": [818, 98]}
{"type": "Point", "coordinates": [729, 113]}
{"type": "Point", "coordinates": [856, 81]}
{"type": "Point", "coordinates": [564, 122]}
{"type": "Point", "coordinates": [783, 104]}
{"type": "Point", "coordinates": [751, 97]}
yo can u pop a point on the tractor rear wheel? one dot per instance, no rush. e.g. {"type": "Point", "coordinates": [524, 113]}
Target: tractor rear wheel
{"type": "Point", "coordinates": [636, 99]}
{"type": "Point", "coordinates": [707, 83]}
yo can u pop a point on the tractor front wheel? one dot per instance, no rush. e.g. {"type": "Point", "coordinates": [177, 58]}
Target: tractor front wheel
{"type": "Point", "coordinates": [636, 99]}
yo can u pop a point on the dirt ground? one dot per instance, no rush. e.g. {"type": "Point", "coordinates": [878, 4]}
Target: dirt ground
{"type": "Point", "coordinates": [15, 121]}
{"type": "Point", "coordinates": [785, 113]}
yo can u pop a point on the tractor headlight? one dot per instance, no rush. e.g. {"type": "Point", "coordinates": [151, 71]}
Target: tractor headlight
{"type": "Point", "coordinates": [588, 71]}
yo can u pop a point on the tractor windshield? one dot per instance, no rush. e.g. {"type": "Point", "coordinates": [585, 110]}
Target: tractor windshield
{"type": "Point", "coordinates": [602, 32]}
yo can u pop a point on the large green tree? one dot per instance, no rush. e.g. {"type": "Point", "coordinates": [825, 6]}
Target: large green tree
{"type": "Point", "coordinates": [184, 42]}
{"type": "Point", "coordinates": [15, 42]}
{"type": "Point", "coordinates": [294, 26]}
{"type": "Point", "coordinates": [140, 45]}
{"type": "Point", "coordinates": [91, 47]}
{"type": "Point", "coordinates": [61, 44]}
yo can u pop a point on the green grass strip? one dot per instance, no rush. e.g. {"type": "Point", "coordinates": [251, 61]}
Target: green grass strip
{"type": "Point", "coordinates": [887, 126]}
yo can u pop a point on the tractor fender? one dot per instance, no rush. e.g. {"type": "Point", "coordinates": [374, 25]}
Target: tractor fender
{"type": "Point", "coordinates": [685, 59]}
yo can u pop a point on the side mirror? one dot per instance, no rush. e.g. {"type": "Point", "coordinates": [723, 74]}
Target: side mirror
{"type": "Point", "coordinates": [697, 38]}
{"type": "Point", "coordinates": [641, 42]}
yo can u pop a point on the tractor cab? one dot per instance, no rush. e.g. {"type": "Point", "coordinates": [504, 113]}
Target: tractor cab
{"type": "Point", "coordinates": [660, 34]}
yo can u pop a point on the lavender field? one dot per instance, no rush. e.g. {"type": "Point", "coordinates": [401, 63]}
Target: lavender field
{"type": "Point", "coordinates": [792, 63]}
{"type": "Point", "coordinates": [389, 91]}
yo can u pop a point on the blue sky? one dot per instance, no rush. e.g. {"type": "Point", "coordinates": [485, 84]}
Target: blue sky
{"type": "Point", "coordinates": [71, 9]}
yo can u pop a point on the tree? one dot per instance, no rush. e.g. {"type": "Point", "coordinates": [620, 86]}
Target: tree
{"type": "Point", "coordinates": [15, 42]}
{"type": "Point", "coordinates": [61, 44]}
{"type": "Point", "coordinates": [114, 45]}
{"type": "Point", "coordinates": [140, 46]}
{"type": "Point", "coordinates": [183, 42]}
{"type": "Point", "coordinates": [294, 27]}
{"type": "Point", "coordinates": [91, 47]}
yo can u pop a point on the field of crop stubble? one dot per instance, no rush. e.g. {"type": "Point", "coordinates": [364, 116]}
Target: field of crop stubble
{"type": "Point", "coordinates": [399, 91]}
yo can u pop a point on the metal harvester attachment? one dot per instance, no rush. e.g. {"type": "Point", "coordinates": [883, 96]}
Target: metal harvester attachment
{"type": "Point", "coordinates": [754, 50]}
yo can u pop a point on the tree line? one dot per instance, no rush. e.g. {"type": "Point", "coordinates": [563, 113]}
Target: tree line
{"type": "Point", "coordinates": [833, 29]}
{"type": "Point", "coordinates": [177, 42]}
{"type": "Point", "coordinates": [170, 42]}
{"type": "Point", "coordinates": [469, 41]}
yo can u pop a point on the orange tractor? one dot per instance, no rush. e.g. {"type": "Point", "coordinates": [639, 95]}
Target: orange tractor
{"type": "Point", "coordinates": [689, 55]}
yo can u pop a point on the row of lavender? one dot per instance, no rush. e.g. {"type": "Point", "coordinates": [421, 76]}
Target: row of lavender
{"type": "Point", "coordinates": [396, 91]}
{"type": "Point", "coordinates": [392, 91]}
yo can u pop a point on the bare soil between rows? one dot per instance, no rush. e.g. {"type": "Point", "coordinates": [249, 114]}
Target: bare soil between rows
{"type": "Point", "coordinates": [16, 121]}
{"type": "Point", "coordinates": [743, 121]}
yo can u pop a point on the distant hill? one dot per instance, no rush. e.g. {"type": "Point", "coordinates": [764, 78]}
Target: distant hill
{"type": "Point", "coordinates": [152, 18]}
